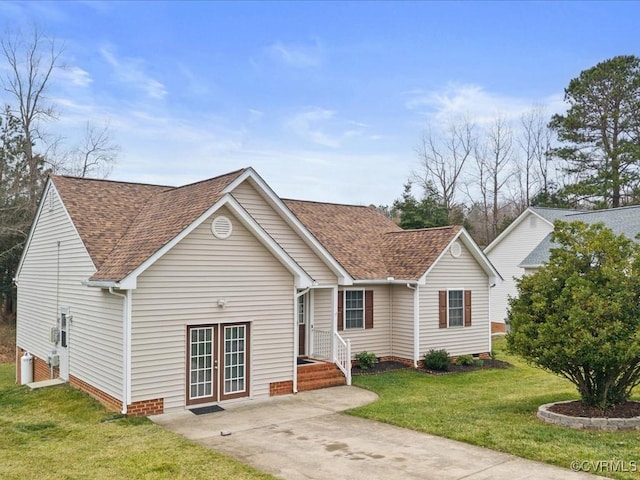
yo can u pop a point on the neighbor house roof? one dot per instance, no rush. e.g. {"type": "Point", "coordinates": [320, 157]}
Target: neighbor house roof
{"type": "Point", "coordinates": [368, 244]}
{"type": "Point", "coordinates": [623, 221]}
{"type": "Point", "coordinates": [123, 224]}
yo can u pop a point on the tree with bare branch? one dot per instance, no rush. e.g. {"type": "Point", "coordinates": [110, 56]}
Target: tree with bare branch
{"type": "Point", "coordinates": [443, 158]}
{"type": "Point", "coordinates": [31, 62]}
{"type": "Point", "coordinates": [95, 156]}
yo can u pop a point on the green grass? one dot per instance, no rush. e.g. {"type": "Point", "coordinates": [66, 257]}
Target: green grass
{"type": "Point", "coordinates": [60, 433]}
{"type": "Point", "coordinates": [496, 409]}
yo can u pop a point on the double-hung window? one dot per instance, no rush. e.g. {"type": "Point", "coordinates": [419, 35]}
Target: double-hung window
{"type": "Point", "coordinates": [353, 309]}
{"type": "Point", "coordinates": [455, 310]}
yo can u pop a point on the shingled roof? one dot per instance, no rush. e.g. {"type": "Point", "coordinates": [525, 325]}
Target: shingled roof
{"type": "Point", "coordinates": [408, 254]}
{"type": "Point", "coordinates": [368, 244]}
{"type": "Point", "coordinates": [123, 224]}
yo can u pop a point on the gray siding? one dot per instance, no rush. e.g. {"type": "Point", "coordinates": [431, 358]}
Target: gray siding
{"type": "Point", "coordinates": [455, 273]}
{"type": "Point", "coordinates": [402, 328]}
{"type": "Point", "coordinates": [182, 288]}
{"type": "Point", "coordinates": [508, 254]}
{"type": "Point", "coordinates": [95, 334]}
{"type": "Point", "coordinates": [273, 223]}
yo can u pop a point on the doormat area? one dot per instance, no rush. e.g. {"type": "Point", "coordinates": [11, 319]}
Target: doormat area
{"type": "Point", "coordinates": [304, 361]}
{"type": "Point", "coordinates": [209, 409]}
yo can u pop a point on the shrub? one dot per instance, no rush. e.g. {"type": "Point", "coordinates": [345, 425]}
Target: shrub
{"type": "Point", "coordinates": [479, 363]}
{"type": "Point", "coordinates": [579, 315]}
{"type": "Point", "coordinates": [436, 360]}
{"type": "Point", "coordinates": [366, 360]}
{"type": "Point", "coordinates": [464, 360]}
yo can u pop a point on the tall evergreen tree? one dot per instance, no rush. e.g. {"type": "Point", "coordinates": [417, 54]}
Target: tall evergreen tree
{"type": "Point", "coordinates": [601, 130]}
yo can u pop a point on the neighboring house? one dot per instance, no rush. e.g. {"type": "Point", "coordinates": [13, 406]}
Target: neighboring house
{"type": "Point", "coordinates": [156, 299]}
{"type": "Point", "coordinates": [525, 245]}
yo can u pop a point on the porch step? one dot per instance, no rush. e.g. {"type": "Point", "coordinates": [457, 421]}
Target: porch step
{"type": "Point", "coordinates": [319, 375]}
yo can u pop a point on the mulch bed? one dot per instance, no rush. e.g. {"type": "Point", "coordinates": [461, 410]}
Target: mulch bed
{"type": "Point", "coordinates": [453, 368]}
{"type": "Point", "coordinates": [578, 409]}
{"type": "Point", "coordinates": [382, 367]}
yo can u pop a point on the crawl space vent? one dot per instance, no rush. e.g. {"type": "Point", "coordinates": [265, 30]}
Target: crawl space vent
{"type": "Point", "coordinates": [221, 227]}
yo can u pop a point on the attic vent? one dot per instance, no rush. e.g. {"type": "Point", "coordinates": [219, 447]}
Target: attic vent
{"type": "Point", "coordinates": [455, 250]}
{"type": "Point", "coordinates": [221, 227]}
{"type": "Point", "coordinates": [52, 200]}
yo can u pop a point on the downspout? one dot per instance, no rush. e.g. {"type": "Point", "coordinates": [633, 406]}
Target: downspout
{"type": "Point", "coordinates": [126, 345]}
{"type": "Point", "coordinates": [416, 323]}
{"type": "Point", "coordinates": [491, 285]}
{"type": "Point", "coordinates": [296, 338]}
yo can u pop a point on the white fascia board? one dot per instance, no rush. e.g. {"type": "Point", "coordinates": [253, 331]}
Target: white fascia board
{"type": "Point", "coordinates": [513, 225]}
{"type": "Point", "coordinates": [275, 201]}
{"type": "Point", "coordinates": [475, 251]}
{"type": "Point", "coordinates": [303, 280]}
{"type": "Point", "coordinates": [49, 186]}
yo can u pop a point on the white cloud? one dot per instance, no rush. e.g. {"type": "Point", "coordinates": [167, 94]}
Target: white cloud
{"type": "Point", "coordinates": [74, 76]}
{"type": "Point", "coordinates": [475, 103]}
{"type": "Point", "coordinates": [299, 56]}
{"type": "Point", "coordinates": [130, 71]}
{"type": "Point", "coordinates": [322, 127]}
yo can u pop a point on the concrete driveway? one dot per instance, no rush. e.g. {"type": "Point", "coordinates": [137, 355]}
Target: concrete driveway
{"type": "Point", "coordinates": [304, 436]}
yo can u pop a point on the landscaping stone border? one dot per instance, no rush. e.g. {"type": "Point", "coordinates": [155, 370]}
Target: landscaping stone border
{"type": "Point", "coordinates": [586, 423]}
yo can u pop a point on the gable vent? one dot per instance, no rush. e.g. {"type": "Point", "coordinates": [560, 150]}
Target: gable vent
{"type": "Point", "coordinates": [221, 227]}
{"type": "Point", "coordinates": [455, 250]}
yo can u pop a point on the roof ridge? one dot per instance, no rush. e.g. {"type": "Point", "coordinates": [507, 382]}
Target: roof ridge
{"type": "Point", "coordinates": [108, 180]}
{"type": "Point", "coordinates": [601, 210]}
{"type": "Point", "coordinates": [235, 172]}
{"type": "Point", "coordinates": [430, 229]}
{"type": "Point", "coordinates": [317, 202]}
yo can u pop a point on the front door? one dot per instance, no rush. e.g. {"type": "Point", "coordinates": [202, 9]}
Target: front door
{"type": "Point", "coordinates": [217, 362]}
{"type": "Point", "coordinates": [63, 344]}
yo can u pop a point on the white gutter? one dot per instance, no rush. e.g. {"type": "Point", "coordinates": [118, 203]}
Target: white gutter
{"type": "Point", "coordinates": [387, 281]}
{"type": "Point", "coordinates": [296, 338]}
{"type": "Point", "coordinates": [126, 346]}
{"type": "Point", "coordinates": [101, 284]}
{"type": "Point", "coordinates": [416, 322]}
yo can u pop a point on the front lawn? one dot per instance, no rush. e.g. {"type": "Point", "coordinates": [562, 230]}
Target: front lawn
{"type": "Point", "coordinates": [59, 432]}
{"type": "Point", "coordinates": [497, 409]}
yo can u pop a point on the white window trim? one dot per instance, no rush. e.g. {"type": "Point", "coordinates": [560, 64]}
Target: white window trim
{"type": "Point", "coordinates": [463, 307]}
{"type": "Point", "coordinates": [344, 309]}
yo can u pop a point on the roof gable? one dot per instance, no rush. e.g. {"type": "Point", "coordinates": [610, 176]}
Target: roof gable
{"type": "Point", "coordinates": [409, 254]}
{"type": "Point", "coordinates": [547, 215]}
{"type": "Point", "coordinates": [162, 218]}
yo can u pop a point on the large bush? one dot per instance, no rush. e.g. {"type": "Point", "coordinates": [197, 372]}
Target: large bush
{"type": "Point", "coordinates": [579, 315]}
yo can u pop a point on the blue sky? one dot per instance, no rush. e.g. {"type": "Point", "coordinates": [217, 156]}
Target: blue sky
{"type": "Point", "coordinates": [326, 100]}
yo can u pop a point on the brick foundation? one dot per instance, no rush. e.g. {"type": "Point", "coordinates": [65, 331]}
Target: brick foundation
{"type": "Point", "coordinates": [107, 400]}
{"type": "Point", "coordinates": [146, 407]}
{"type": "Point", "coordinates": [498, 327]}
{"type": "Point", "coordinates": [41, 372]}
{"type": "Point", "coordinates": [280, 388]}
{"type": "Point", "coordinates": [406, 361]}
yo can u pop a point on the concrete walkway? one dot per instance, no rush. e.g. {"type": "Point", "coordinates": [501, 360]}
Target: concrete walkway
{"type": "Point", "coordinates": [303, 436]}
